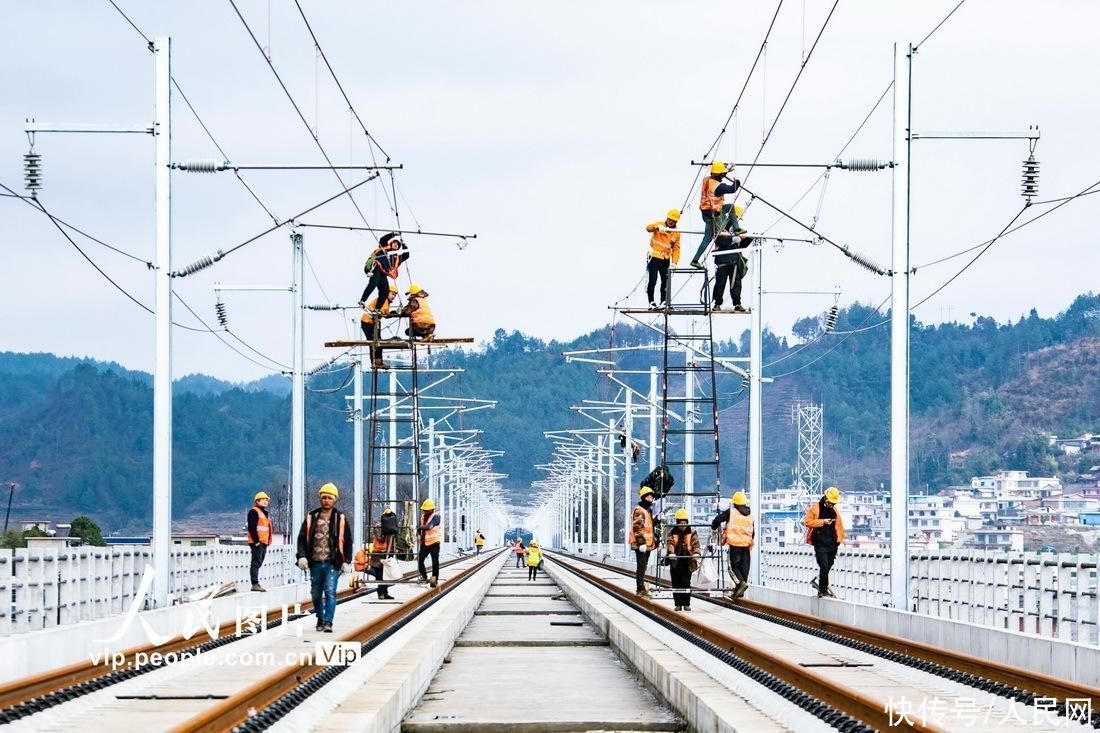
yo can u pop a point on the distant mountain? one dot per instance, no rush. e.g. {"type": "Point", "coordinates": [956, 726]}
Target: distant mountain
{"type": "Point", "coordinates": [75, 434]}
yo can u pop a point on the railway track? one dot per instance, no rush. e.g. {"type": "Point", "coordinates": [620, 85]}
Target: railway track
{"type": "Point", "coordinates": [36, 694]}
{"type": "Point", "coordinates": [958, 671]}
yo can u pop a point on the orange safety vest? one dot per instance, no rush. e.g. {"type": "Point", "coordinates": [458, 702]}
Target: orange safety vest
{"type": "Point", "coordinates": [422, 316]}
{"type": "Point", "coordinates": [812, 522]}
{"type": "Point", "coordinates": [663, 245]}
{"type": "Point", "coordinates": [647, 529]}
{"type": "Point", "coordinates": [708, 201]}
{"type": "Point", "coordinates": [433, 535]}
{"type": "Point", "coordinates": [339, 535]}
{"type": "Point", "coordinates": [264, 528]}
{"type": "Point", "coordinates": [739, 529]}
{"type": "Point", "coordinates": [372, 304]}
{"type": "Point", "coordinates": [520, 549]}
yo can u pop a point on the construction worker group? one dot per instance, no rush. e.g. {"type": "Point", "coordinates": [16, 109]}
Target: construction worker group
{"type": "Point", "coordinates": [382, 269]}
{"type": "Point", "coordinates": [721, 228]}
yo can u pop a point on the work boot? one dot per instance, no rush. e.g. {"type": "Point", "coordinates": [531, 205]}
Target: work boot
{"type": "Point", "coordinates": [813, 583]}
{"type": "Point", "coordinates": [435, 581]}
{"type": "Point", "coordinates": [741, 309]}
{"type": "Point", "coordinates": [829, 593]}
{"type": "Point", "coordinates": [716, 307]}
{"type": "Point", "coordinates": [422, 579]}
{"type": "Point", "coordinates": [379, 364]}
{"type": "Point", "coordinates": [652, 306]}
{"type": "Point", "coordinates": [741, 232]}
{"type": "Point", "coordinates": [822, 594]}
{"type": "Point", "coordinates": [685, 608]}
{"type": "Point", "coordinates": [320, 625]}
{"type": "Point", "coordinates": [679, 608]}
{"type": "Point", "coordinates": [697, 264]}
{"type": "Point", "coordinates": [258, 588]}
{"type": "Point", "coordinates": [741, 588]}
{"type": "Point", "coordinates": [328, 628]}
{"type": "Point", "coordinates": [644, 593]}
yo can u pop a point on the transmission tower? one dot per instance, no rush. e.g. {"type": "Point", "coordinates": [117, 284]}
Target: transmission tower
{"type": "Point", "coordinates": [808, 417]}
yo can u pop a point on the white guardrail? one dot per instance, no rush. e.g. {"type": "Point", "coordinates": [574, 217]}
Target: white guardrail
{"type": "Point", "coordinates": [1049, 594]}
{"type": "Point", "coordinates": [41, 588]}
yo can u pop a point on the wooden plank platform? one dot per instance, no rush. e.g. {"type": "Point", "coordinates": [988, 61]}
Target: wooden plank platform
{"type": "Point", "coordinates": [682, 311]}
{"type": "Point", "coordinates": [395, 343]}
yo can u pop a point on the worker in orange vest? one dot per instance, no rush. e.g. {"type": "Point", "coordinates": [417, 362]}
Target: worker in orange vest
{"type": "Point", "coordinates": [382, 548]}
{"type": "Point", "coordinates": [664, 250]}
{"type": "Point", "coordinates": [431, 538]}
{"type": "Point", "coordinates": [520, 551]}
{"type": "Point", "coordinates": [419, 313]}
{"type": "Point", "coordinates": [682, 554]}
{"type": "Point", "coordinates": [717, 214]}
{"type": "Point", "coordinates": [739, 535]}
{"type": "Point", "coordinates": [260, 534]}
{"type": "Point", "coordinates": [642, 539]}
{"type": "Point", "coordinates": [370, 320]}
{"type": "Point", "coordinates": [825, 531]}
{"type": "Point", "coordinates": [382, 266]}
{"type": "Point", "coordinates": [324, 549]}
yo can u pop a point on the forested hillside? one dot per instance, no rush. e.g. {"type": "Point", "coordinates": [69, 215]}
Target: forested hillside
{"type": "Point", "coordinates": [76, 434]}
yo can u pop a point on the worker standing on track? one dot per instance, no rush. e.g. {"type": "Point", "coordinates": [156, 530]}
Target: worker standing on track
{"type": "Point", "coordinates": [370, 318]}
{"type": "Point", "coordinates": [479, 542]}
{"type": "Point", "coordinates": [419, 313]}
{"type": "Point", "coordinates": [642, 539]}
{"type": "Point", "coordinates": [431, 537]}
{"type": "Point", "coordinates": [683, 554]}
{"type": "Point", "coordinates": [739, 535]}
{"type": "Point", "coordinates": [382, 266]}
{"type": "Point", "coordinates": [382, 547]}
{"type": "Point", "coordinates": [730, 266]}
{"type": "Point", "coordinates": [713, 207]}
{"type": "Point", "coordinates": [520, 551]}
{"type": "Point", "coordinates": [664, 250]}
{"type": "Point", "coordinates": [825, 531]}
{"type": "Point", "coordinates": [260, 533]}
{"type": "Point", "coordinates": [324, 545]}
{"type": "Point", "coordinates": [534, 560]}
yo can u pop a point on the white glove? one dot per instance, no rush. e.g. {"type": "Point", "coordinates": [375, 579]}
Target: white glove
{"type": "Point", "coordinates": [345, 569]}
{"type": "Point", "coordinates": [641, 548]}
{"type": "Point", "coordinates": [303, 564]}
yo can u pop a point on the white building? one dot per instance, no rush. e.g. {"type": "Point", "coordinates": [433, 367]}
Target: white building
{"type": "Point", "coordinates": [1004, 540]}
{"type": "Point", "coordinates": [933, 521]}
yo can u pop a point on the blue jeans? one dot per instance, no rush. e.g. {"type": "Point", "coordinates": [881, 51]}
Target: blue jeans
{"type": "Point", "coordinates": [323, 578]}
{"type": "Point", "coordinates": [711, 226]}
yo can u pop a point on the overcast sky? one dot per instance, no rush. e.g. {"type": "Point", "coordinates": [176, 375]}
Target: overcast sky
{"type": "Point", "coordinates": [555, 132]}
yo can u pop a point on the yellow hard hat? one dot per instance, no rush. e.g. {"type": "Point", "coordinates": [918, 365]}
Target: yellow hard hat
{"type": "Point", "coordinates": [673, 214]}
{"type": "Point", "coordinates": [682, 514]}
{"type": "Point", "coordinates": [330, 489]}
{"type": "Point", "coordinates": [740, 499]}
{"type": "Point", "coordinates": [645, 490]}
{"type": "Point", "coordinates": [832, 494]}
{"type": "Point", "coordinates": [534, 543]}
{"type": "Point", "coordinates": [739, 210]}
{"type": "Point", "coordinates": [388, 510]}
{"type": "Point", "coordinates": [718, 167]}
{"type": "Point", "coordinates": [427, 506]}
{"type": "Point", "coordinates": [413, 290]}
{"type": "Point", "coordinates": [261, 495]}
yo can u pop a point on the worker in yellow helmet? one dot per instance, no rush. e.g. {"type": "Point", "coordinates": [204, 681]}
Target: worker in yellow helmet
{"type": "Point", "coordinates": [739, 535]}
{"type": "Point", "coordinates": [534, 560]}
{"type": "Point", "coordinates": [825, 531]}
{"type": "Point", "coordinates": [641, 537]}
{"type": "Point", "coordinates": [419, 313]}
{"type": "Point", "coordinates": [683, 555]}
{"type": "Point", "coordinates": [260, 534]}
{"type": "Point", "coordinates": [712, 205]}
{"type": "Point", "coordinates": [431, 539]}
{"type": "Point", "coordinates": [664, 248]}
{"type": "Point", "coordinates": [324, 549]}
{"type": "Point", "coordinates": [371, 323]}
{"type": "Point", "coordinates": [730, 264]}
{"type": "Point", "coordinates": [479, 542]}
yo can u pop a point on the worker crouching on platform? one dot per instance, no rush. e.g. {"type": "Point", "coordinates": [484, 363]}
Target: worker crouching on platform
{"type": "Point", "coordinates": [260, 533]}
{"type": "Point", "coordinates": [419, 313]}
{"type": "Point", "coordinates": [664, 250]}
{"type": "Point", "coordinates": [739, 535]}
{"type": "Point", "coordinates": [683, 554]}
{"type": "Point", "coordinates": [324, 544]}
{"type": "Point", "coordinates": [431, 537]}
{"type": "Point", "coordinates": [369, 322]}
{"type": "Point", "coordinates": [825, 531]}
{"type": "Point", "coordinates": [534, 560]}
{"type": "Point", "coordinates": [642, 539]}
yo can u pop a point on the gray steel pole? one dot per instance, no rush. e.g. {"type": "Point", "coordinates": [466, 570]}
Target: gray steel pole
{"type": "Point", "coordinates": [391, 453]}
{"type": "Point", "coordinates": [690, 413]}
{"type": "Point", "coordinates": [162, 369]}
{"type": "Point", "coordinates": [899, 334]}
{"type": "Point", "coordinates": [628, 478]}
{"type": "Point", "coordinates": [357, 456]}
{"type": "Point", "coordinates": [298, 392]}
{"type": "Point", "coordinates": [756, 409]}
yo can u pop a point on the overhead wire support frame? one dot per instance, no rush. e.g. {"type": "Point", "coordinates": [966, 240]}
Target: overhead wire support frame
{"type": "Point", "coordinates": [418, 232]}
{"type": "Point", "coordinates": [213, 166]}
{"type": "Point", "coordinates": [856, 165]}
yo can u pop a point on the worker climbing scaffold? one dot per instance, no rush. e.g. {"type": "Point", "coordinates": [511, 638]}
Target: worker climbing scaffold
{"type": "Point", "coordinates": [717, 214]}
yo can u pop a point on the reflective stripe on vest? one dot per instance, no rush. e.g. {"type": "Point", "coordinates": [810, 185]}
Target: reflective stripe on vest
{"type": "Point", "coordinates": [660, 244]}
{"type": "Point", "coordinates": [739, 529]}
{"type": "Point", "coordinates": [372, 304]}
{"type": "Point", "coordinates": [422, 316]}
{"type": "Point", "coordinates": [647, 528]}
{"type": "Point", "coordinates": [433, 535]}
{"type": "Point", "coordinates": [264, 530]}
{"type": "Point", "coordinates": [707, 200]}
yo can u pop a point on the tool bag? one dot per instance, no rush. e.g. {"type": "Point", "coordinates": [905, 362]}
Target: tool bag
{"type": "Point", "coordinates": [391, 570]}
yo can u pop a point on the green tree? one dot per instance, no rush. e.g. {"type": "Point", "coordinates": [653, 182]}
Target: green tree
{"type": "Point", "coordinates": [88, 531]}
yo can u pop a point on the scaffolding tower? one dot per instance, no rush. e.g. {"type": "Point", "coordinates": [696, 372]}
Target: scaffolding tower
{"type": "Point", "coordinates": [808, 417]}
